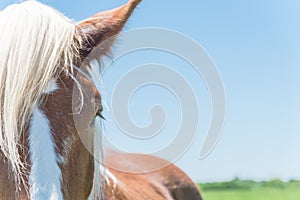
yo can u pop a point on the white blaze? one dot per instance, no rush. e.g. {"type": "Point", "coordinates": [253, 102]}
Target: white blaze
{"type": "Point", "coordinates": [45, 175]}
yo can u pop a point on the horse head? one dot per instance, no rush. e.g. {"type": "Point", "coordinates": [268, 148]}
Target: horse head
{"type": "Point", "coordinates": [49, 100]}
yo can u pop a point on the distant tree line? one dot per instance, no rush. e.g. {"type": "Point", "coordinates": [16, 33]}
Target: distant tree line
{"type": "Point", "coordinates": [238, 184]}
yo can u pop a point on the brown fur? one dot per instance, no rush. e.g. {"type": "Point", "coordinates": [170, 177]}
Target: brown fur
{"type": "Point", "coordinates": [77, 171]}
{"type": "Point", "coordinates": [167, 183]}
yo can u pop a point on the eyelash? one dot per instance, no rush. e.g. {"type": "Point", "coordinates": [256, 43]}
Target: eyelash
{"type": "Point", "coordinates": [99, 114]}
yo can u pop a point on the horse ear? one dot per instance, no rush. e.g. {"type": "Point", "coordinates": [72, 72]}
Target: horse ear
{"type": "Point", "coordinates": [104, 25]}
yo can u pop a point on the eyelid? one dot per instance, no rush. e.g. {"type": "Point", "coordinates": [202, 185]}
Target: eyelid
{"type": "Point", "coordinates": [98, 102]}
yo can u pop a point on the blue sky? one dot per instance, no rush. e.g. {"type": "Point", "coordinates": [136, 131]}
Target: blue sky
{"type": "Point", "coordinates": [256, 47]}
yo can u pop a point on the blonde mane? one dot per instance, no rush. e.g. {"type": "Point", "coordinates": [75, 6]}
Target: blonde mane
{"type": "Point", "coordinates": [37, 43]}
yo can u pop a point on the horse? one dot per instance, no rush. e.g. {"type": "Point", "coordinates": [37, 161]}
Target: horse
{"type": "Point", "coordinates": [42, 153]}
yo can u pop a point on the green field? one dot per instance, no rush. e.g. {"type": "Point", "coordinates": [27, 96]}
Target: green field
{"type": "Point", "coordinates": [250, 190]}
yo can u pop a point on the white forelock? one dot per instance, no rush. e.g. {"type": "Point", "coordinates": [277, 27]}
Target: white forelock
{"type": "Point", "coordinates": [37, 43]}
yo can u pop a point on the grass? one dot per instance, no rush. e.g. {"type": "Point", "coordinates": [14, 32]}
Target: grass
{"type": "Point", "coordinates": [255, 194]}
{"type": "Point", "coordinates": [250, 190]}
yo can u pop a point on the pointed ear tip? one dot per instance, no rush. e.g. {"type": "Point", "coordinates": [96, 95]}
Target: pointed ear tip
{"type": "Point", "coordinates": [105, 24]}
{"type": "Point", "coordinates": [134, 1]}
{"type": "Point", "coordinates": [137, 1]}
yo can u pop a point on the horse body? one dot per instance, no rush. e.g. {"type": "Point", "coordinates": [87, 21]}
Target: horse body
{"type": "Point", "coordinates": [48, 158]}
{"type": "Point", "coordinates": [166, 183]}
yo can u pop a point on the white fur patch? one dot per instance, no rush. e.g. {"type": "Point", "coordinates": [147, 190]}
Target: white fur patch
{"type": "Point", "coordinates": [110, 179]}
{"type": "Point", "coordinates": [45, 175]}
{"type": "Point", "coordinates": [94, 73]}
{"type": "Point", "coordinates": [52, 86]}
{"type": "Point", "coordinates": [100, 170]}
{"type": "Point", "coordinates": [96, 190]}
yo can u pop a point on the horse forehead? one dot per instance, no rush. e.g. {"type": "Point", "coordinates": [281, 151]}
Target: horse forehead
{"type": "Point", "coordinates": [71, 82]}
